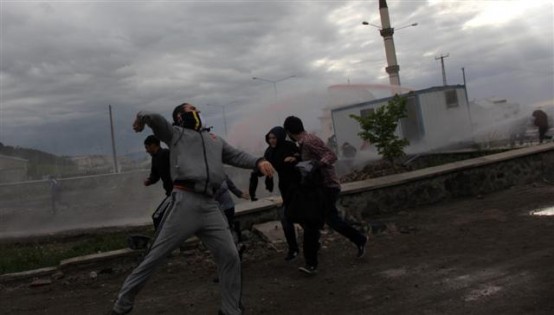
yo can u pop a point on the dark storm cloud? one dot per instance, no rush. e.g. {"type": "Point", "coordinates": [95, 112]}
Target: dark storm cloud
{"type": "Point", "coordinates": [62, 63]}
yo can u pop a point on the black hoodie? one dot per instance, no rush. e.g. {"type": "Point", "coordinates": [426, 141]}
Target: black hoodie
{"type": "Point", "coordinates": [276, 156]}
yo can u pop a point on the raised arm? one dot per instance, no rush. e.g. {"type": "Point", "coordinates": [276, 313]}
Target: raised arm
{"type": "Point", "coordinates": [242, 159]}
{"type": "Point", "coordinates": [154, 176]}
{"type": "Point", "coordinates": [235, 190]}
{"type": "Point", "coordinates": [162, 128]}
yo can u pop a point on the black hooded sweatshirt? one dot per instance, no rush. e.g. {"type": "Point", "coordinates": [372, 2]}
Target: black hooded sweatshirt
{"type": "Point", "coordinates": [276, 156]}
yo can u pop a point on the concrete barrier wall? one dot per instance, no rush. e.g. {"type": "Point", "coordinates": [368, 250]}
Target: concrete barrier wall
{"type": "Point", "coordinates": [87, 203]}
{"type": "Point", "coordinates": [121, 200]}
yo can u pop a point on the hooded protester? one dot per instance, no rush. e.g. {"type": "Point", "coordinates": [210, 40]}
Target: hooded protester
{"type": "Point", "coordinates": [282, 154]}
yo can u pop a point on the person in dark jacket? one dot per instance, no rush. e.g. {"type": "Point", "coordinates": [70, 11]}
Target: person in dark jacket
{"type": "Point", "coordinates": [160, 164]}
{"type": "Point", "coordinates": [282, 154]}
{"type": "Point", "coordinates": [159, 170]}
{"type": "Point", "coordinates": [541, 121]}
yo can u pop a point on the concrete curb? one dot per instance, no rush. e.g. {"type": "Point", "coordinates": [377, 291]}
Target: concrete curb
{"type": "Point", "coordinates": [46, 271]}
{"type": "Point", "coordinates": [96, 258]}
{"type": "Point", "coordinates": [69, 263]}
{"type": "Point", "coordinates": [81, 262]}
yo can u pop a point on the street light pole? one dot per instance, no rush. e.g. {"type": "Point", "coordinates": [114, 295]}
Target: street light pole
{"type": "Point", "coordinates": [274, 82]}
{"type": "Point", "coordinates": [224, 120]}
{"type": "Point", "coordinates": [392, 65]}
{"type": "Point", "coordinates": [115, 169]}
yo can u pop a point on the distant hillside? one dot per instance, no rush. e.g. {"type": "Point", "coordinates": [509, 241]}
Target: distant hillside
{"type": "Point", "coordinates": [28, 154]}
{"type": "Point", "coordinates": [138, 156]}
{"type": "Point", "coordinates": [40, 163]}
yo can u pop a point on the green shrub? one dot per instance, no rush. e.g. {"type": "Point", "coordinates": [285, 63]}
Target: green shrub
{"type": "Point", "coordinates": [379, 128]}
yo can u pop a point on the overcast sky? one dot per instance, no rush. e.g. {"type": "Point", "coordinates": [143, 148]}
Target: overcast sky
{"type": "Point", "coordinates": [63, 62]}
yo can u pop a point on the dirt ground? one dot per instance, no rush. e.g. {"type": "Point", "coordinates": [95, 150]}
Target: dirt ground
{"type": "Point", "coordinates": [481, 255]}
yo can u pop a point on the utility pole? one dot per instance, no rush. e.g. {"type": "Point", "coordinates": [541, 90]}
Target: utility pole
{"type": "Point", "coordinates": [115, 170]}
{"type": "Point", "coordinates": [465, 85]}
{"type": "Point", "coordinates": [442, 65]}
{"type": "Point", "coordinates": [467, 98]}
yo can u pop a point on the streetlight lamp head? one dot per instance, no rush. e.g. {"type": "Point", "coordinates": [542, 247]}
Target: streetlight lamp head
{"type": "Point", "coordinates": [371, 24]}
{"type": "Point", "coordinates": [405, 26]}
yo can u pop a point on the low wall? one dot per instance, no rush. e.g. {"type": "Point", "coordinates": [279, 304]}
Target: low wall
{"type": "Point", "coordinates": [120, 200]}
{"type": "Point", "coordinates": [486, 174]}
{"type": "Point", "coordinates": [88, 203]}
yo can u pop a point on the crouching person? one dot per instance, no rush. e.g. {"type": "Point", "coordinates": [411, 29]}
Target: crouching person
{"type": "Point", "coordinates": [196, 159]}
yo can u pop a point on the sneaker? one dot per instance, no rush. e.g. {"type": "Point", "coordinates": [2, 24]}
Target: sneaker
{"type": "Point", "coordinates": [361, 248]}
{"type": "Point", "coordinates": [310, 270]}
{"type": "Point", "coordinates": [113, 312]}
{"type": "Point", "coordinates": [291, 255]}
{"type": "Point", "coordinates": [241, 307]}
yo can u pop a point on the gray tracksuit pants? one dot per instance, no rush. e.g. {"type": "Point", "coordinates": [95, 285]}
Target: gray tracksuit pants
{"type": "Point", "coordinates": [191, 213]}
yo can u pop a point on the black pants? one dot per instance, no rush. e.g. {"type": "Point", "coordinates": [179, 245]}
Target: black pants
{"type": "Point", "coordinates": [312, 233]}
{"type": "Point", "coordinates": [230, 215]}
{"type": "Point", "coordinates": [311, 244]}
{"type": "Point", "coordinates": [288, 230]}
{"type": "Point", "coordinates": [333, 219]}
{"type": "Point", "coordinates": [160, 210]}
{"type": "Point", "coordinates": [542, 134]}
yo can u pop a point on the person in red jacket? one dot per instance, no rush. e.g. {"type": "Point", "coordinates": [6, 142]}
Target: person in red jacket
{"type": "Point", "coordinates": [312, 148]}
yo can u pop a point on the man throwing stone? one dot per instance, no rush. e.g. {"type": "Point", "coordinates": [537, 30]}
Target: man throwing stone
{"type": "Point", "coordinates": [197, 159]}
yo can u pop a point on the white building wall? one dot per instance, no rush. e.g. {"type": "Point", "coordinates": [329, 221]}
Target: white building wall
{"type": "Point", "coordinates": [444, 126]}
{"type": "Point", "coordinates": [347, 128]}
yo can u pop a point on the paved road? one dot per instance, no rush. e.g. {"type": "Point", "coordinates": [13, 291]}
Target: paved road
{"type": "Point", "coordinates": [469, 256]}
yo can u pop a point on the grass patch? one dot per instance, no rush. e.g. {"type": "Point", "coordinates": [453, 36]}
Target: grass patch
{"type": "Point", "coordinates": [28, 255]}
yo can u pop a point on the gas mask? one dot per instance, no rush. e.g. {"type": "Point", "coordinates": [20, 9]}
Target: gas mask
{"type": "Point", "coordinates": [190, 120]}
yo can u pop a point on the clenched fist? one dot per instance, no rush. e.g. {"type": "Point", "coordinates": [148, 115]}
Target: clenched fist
{"type": "Point", "coordinates": [138, 125]}
{"type": "Point", "coordinates": [266, 168]}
